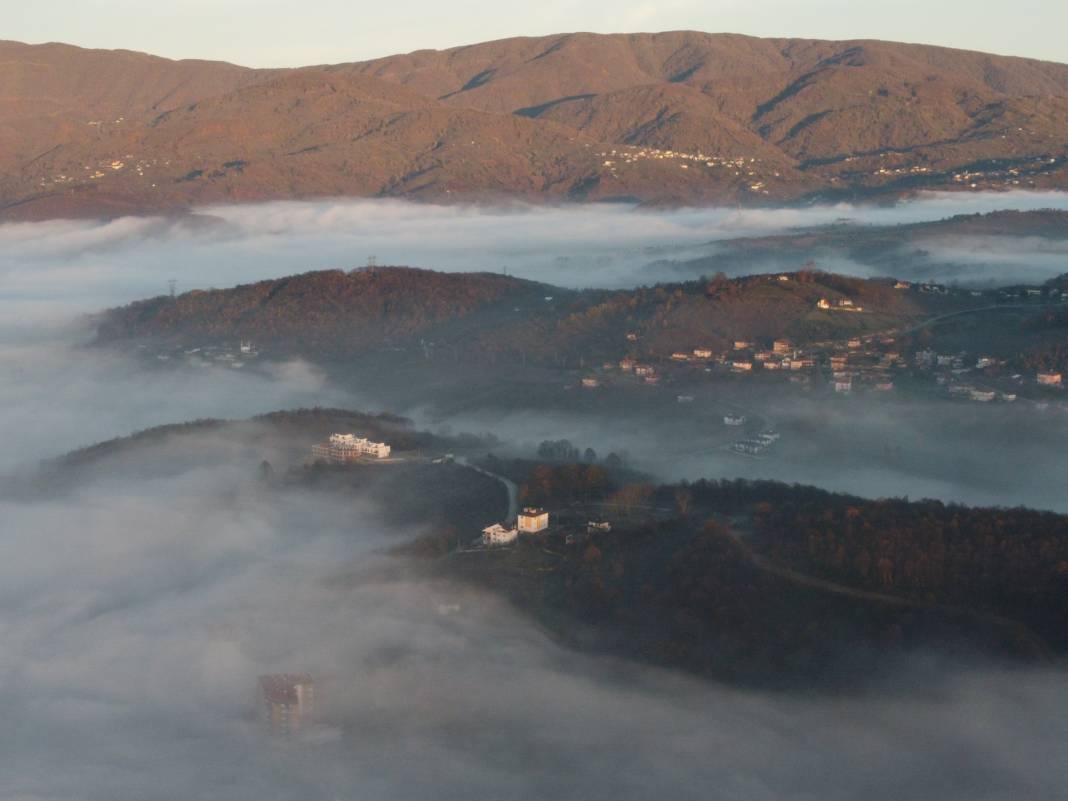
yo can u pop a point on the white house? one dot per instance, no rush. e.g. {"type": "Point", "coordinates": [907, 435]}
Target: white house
{"type": "Point", "coordinates": [532, 520]}
{"type": "Point", "coordinates": [498, 535]}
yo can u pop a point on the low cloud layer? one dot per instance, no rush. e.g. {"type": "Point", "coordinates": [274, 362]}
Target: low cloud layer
{"type": "Point", "coordinates": [56, 267]}
{"type": "Point", "coordinates": [137, 609]}
{"type": "Point", "coordinates": [130, 656]}
{"type": "Point", "coordinates": [868, 446]}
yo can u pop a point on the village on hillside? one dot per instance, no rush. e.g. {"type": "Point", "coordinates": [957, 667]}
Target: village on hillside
{"type": "Point", "coordinates": [880, 362]}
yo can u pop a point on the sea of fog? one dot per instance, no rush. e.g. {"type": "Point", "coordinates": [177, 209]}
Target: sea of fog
{"type": "Point", "coordinates": [55, 396]}
{"type": "Point", "coordinates": [54, 268]}
{"type": "Point", "coordinates": [136, 611]}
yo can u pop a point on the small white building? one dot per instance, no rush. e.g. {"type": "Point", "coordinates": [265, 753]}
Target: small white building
{"type": "Point", "coordinates": [497, 535]}
{"type": "Point", "coordinates": [533, 520]}
{"type": "Point", "coordinates": [733, 420]}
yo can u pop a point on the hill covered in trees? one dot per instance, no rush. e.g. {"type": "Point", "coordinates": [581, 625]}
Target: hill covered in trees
{"type": "Point", "coordinates": [669, 118]}
{"type": "Point", "coordinates": [766, 583]}
{"type": "Point", "coordinates": [480, 317]}
{"type": "Point", "coordinates": [755, 582]}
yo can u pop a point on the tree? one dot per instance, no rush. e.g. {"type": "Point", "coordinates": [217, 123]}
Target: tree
{"type": "Point", "coordinates": [683, 501]}
{"type": "Point", "coordinates": [265, 473]}
{"type": "Point", "coordinates": [630, 497]}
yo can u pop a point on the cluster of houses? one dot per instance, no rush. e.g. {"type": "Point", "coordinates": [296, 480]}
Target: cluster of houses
{"type": "Point", "coordinates": [841, 304]}
{"type": "Point", "coordinates": [103, 168]}
{"type": "Point", "coordinates": [870, 363]}
{"type": "Point", "coordinates": [756, 445]}
{"type": "Point", "coordinates": [1011, 176]}
{"type": "Point", "coordinates": [531, 520]}
{"type": "Point", "coordinates": [741, 167]}
{"type": "Point", "coordinates": [959, 374]}
{"type": "Point", "coordinates": [228, 356]}
{"type": "Point", "coordinates": [534, 521]}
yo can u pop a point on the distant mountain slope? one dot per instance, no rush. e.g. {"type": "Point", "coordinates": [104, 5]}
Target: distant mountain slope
{"type": "Point", "coordinates": [50, 94]}
{"type": "Point", "coordinates": [669, 118]}
{"type": "Point", "coordinates": [915, 251]}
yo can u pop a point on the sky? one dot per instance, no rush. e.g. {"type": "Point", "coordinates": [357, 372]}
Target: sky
{"type": "Point", "coordinates": [270, 33]}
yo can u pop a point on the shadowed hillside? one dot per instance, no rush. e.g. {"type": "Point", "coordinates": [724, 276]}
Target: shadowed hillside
{"type": "Point", "coordinates": [338, 315]}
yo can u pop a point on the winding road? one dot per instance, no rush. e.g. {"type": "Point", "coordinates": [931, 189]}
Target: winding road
{"type": "Point", "coordinates": [511, 486]}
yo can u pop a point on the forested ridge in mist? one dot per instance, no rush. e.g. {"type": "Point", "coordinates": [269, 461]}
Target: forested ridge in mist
{"type": "Point", "coordinates": [337, 314]}
{"type": "Point", "coordinates": [756, 582]}
{"type": "Point", "coordinates": [484, 318]}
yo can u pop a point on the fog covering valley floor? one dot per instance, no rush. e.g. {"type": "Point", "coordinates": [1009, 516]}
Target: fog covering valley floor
{"type": "Point", "coordinates": [142, 597]}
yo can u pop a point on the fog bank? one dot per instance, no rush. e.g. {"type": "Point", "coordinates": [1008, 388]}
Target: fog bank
{"type": "Point", "coordinates": [62, 266]}
{"type": "Point", "coordinates": [138, 610]}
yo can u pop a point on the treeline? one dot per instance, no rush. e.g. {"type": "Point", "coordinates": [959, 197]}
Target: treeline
{"type": "Point", "coordinates": [682, 592]}
{"type": "Point", "coordinates": [323, 312]}
{"type": "Point", "coordinates": [1012, 562]}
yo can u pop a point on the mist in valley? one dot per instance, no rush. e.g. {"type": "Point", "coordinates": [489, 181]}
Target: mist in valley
{"type": "Point", "coordinates": [138, 605]}
{"type": "Point", "coordinates": [56, 268]}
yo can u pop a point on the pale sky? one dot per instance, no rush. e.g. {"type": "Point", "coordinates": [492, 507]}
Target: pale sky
{"type": "Point", "coordinates": [296, 32]}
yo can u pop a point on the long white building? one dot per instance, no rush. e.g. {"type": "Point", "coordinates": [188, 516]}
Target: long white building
{"type": "Point", "coordinates": [342, 448]}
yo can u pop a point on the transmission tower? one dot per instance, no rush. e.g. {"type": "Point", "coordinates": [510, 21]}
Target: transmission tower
{"type": "Point", "coordinates": [372, 261]}
{"type": "Point", "coordinates": [172, 283]}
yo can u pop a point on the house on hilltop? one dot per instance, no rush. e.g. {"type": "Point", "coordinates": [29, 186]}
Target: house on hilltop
{"type": "Point", "coordinates": [533, 520]}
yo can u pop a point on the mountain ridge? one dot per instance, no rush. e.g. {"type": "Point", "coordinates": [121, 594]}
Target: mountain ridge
{"type": "Point", "coordinates": [672, 118]}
